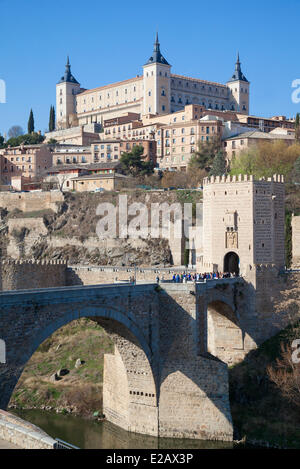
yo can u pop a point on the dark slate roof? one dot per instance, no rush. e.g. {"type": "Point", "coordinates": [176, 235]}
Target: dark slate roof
{"type": "Point", "coordinates": [87, 167]}
{"type": "Point", "coordinates": [238, 74]}
{"type": "Point", "coordinates": [68, 77]}
{"type": "Point", "coordinates": [157, 56]}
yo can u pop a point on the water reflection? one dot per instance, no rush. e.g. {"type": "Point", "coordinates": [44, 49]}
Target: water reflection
{"type": "Point", "coordinates": [88, 434]}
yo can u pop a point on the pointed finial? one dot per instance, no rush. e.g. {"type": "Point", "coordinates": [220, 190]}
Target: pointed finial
{"type": "Point", "coordinates": [68, 61]}
{"type": "Point", "coordinates": [156, 44]}
{"type": "Point", "coordinates": [238, 58]}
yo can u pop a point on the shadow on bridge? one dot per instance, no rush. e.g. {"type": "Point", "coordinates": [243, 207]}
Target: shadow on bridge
{"type": "Point", "coordinates": [161, 380]}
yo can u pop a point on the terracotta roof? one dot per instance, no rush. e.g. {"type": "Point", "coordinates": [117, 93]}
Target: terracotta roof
{"type": "Point", "coordinates": [118, 83]}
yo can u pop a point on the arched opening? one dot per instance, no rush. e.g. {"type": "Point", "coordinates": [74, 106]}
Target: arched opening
{"type": "Point", "coordinates": [224, 335]}
{"type": "Point", "coordinates": [128, 378]}
{"type": "Point", "coordinates": [232, 263]}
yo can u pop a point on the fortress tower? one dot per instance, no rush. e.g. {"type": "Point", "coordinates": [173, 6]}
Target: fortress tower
{"type": "Point", "coordinates": [157, 79]}
{"type": "Point", "coordinates": [66, 90]}
{"type": "Point", "coordinates": [239, 87]}
{"type": "Point", "coordinates": [243, 224]}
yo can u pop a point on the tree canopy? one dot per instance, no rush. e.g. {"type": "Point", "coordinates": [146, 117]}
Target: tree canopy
{"type": "Point", "coordinates": [133, 163]}
{"type": "Point", "coordinates": [203, 158]}
{"type": "Point", "coordinates": [218, 167]}
{"type": "Point", "coordinates": [27, 139]}
{"type": "Point", "coordinates": [267, 158]}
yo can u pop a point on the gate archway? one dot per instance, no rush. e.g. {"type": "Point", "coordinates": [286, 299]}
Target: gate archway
{"type": "Point", "coordinates": [232, 263]}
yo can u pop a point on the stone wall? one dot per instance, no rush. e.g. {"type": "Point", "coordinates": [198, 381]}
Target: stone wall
{"type": "Point", "coordinates": [23, 434]}
{"type": "Point", "coordinates": [21, 275]}
{"type": "Point", "coordinates": [31, 201]}
{"type": "Point", "coordinates": [93, 275]}
{"type": "Point", "coordinates": [296, 241]}
{"type": "Point", "coordinates": [35, 228]}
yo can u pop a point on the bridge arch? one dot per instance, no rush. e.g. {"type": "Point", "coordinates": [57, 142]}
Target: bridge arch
{"type": "Point", "coordinates": [224, 334]}
{"type": "Point", "coordinates": [129, 374]}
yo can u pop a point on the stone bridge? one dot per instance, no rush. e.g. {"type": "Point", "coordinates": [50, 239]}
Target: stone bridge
{"type": "Point", "coordinates": [168, 375]}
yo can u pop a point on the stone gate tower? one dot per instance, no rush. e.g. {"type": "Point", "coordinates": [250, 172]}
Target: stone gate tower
{"type": "Point", "coordinates": [243, 223]}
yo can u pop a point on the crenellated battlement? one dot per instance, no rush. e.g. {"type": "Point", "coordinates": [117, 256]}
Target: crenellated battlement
{"type": "Point", "coordinates": [27, 274]}
{"type": "Point", "coordinates": [225, 179]}
{"type": "Point", "coordinates": [44, 262]}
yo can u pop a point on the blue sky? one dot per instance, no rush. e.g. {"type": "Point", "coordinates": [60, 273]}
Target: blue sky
{"type": "Point", "coordinates": [110, 41]}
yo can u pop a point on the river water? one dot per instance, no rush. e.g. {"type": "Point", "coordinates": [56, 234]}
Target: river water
{"type": "Point", "coordinates": [90, 434]}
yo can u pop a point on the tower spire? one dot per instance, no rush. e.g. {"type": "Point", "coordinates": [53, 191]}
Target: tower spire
{"type": "Point", "coordinates": [238, 74]}
{"type": "Point", "coordinates": [68, 77]}
{"type": "Point", "coordinates": [157, 57]}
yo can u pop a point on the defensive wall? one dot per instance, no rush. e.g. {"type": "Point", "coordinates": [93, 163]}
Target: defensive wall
{"type": "Point", "coordinates": [31, 201]}
{"type": "Point", "coordinates": [21, 275]}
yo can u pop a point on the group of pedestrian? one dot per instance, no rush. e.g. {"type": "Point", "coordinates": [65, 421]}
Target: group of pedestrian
{"type": "Point", "coordinates": [197, 277]}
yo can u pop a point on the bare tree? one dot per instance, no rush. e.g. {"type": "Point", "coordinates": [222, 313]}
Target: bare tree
{"type": "Point", "coordinates": [15, 131]}
{"type": "Point", "coordinates": [285, 374]}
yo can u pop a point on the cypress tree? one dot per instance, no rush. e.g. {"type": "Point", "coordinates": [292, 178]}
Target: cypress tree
{"type": "Point", "coordinates": [52, 119]}
{"type": "Point", "coordinates": [53, 113]}
{"type": "Point", "coordinates": [297, 127]}
{"type": "Point", "coordinates": [30, 122]}
{"type": "Point", "coordinates": [219, 165]}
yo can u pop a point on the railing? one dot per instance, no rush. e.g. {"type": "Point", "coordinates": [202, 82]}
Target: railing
{"type": "Point", "coordinates": [61, 444]}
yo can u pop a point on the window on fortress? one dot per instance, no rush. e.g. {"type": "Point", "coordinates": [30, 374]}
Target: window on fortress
{"type": "Point", "coordinates": [163, 93]}
{"type": "Point", "coordinates": [149, 93]}
{"type": "Point", "coordinates": [163, 108]}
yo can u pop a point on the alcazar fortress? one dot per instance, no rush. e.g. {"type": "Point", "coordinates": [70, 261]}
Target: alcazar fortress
{"type": "Point", "coordinates": [156, 91]}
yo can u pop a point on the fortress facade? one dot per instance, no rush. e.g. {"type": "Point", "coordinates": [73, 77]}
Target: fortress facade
{"type": "Point", "coordinates": [156, 92]}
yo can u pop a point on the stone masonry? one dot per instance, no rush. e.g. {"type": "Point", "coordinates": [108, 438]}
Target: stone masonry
{"type": "Point", "coordinates": [161, 380]}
